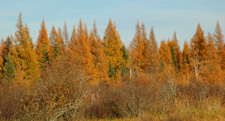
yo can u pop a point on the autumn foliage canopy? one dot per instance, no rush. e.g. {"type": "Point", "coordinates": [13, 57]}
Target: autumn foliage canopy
{"type": "Point", "coordinates": [56, 61]}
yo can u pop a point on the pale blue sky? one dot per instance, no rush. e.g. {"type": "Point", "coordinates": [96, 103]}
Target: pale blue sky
{"type": "Point", "coordinates": [164, 15]}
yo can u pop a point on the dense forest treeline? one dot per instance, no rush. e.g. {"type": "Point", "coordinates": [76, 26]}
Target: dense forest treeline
{"type": "Point", "coordinates": [86, 77]}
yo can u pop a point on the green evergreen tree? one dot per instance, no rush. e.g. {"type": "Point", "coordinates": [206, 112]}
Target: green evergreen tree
{"type": "Point", "coordinates": [124, 70]}
{"type": "Point", "coordinates": [162, 65]}
{"type": "Point", "coordinates": [125, 62]}
{"type": "Point", "coordinates": [125, 54]}
{"type": "Point", "coordinates": [56, 51]}
{"type": "Point", "coordinates": [8, 69]}
{"type": "Point", "coordinates": [111, 70]}
{"type": "Point", "coordinates": [45, 57]}
{"type": "Point", "coordinates": [174, 59]}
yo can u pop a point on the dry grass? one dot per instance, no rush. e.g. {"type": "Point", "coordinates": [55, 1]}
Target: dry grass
{"type": "Point", "coordinates": [212, 110]}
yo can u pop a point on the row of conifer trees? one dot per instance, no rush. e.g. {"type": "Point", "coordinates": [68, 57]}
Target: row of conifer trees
{"type": "Point", "coordinates": [108, 60]}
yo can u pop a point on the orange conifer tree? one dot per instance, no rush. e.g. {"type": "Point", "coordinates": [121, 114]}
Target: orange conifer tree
{"type": "Point", "coordinates": [177, 51]}
{"type": "Point", "coordinates": [219, 38]}
{"type": "Point", "coordinates": [165, 53]}
{"type": "Point", "coordinates": [167, 67]}
{"type": "Point", "coordinates": [186, 60]}
{"type": "Point", "coordinates": [5, 46]}
{"type": "Point", "coordinates": [42, 41]}
{"type": "Point", "coordinates": [137, 51]}
{"type": "Point", "coordinates": [24, 55]}
{"type": "Point", "coordinates": [55, 49]}
{"type": "Point", "coordinates": [62, 46]}
{"type": "Point", "coordinates": [146, 64]}
{"type": "Point", "coordinates": [84, 52]}
{"type": "Point", "coordinates": [199, 44]}
{"type": "Point", "coordinates": [100, 60]}
{"type": "Point", "coordinates": [112, 47]}
{"type": "Point", "coordinates": [74, 43]}
{"type": "Point", "coordinates": [199, 51]}
{"type": "Point", "coordinates": [213, 72]}
{"type": "Point", "coordinates": [154, 52]}
{"type": "Point", "coordinates": [151, 54]}
{"type": "Point", "coordinates": [186, 57]}
{"type": "Point", "coordinates": [4, 57]}
{"type": "Point", "coordinates": [66, 35]}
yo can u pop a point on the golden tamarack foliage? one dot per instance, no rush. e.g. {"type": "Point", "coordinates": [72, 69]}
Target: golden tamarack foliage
{"type": "Point", "coordinates": [113, 48]}
{"type": "Point", "coordinates": [23, 54]}
{"type": "Point", "coordinates": [42, 41]}
{"type": "Point", "coordinates": [105, 59]}
{"type": "Point", "coordinates": [85, 76]}
{"type": "Point", "coordinates": [108, 58]}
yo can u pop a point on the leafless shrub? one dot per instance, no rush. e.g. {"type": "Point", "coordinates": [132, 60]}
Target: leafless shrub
{"type": "Point", "coordinates": [61, 93]}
